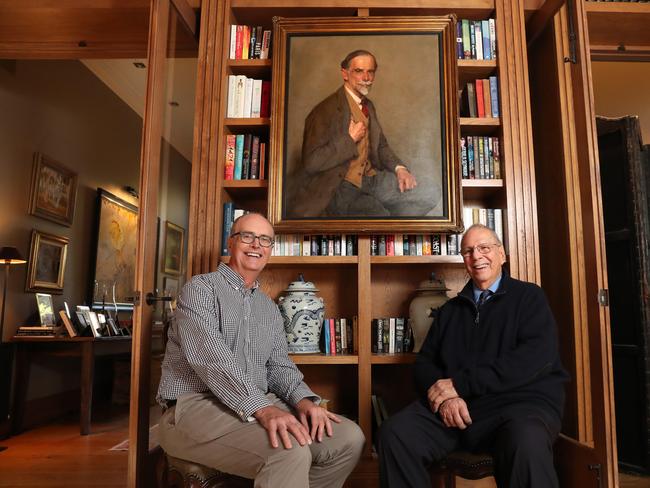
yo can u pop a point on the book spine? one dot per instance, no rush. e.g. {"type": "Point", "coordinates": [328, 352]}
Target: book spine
{"type": "Point", "coordinates": [487, 48]}
{"type": "Point", "coordinates": [262, 160]}
{"type": "Point", "coordinates": [246, 160]}
{"type": "Point", "coordinates": [265, 99]}
{"type": "Point", "coordinates": [494, 96]}
{"type": "Point", "coordinates": [480, 104]}
{"type": "Point", "coordinates": [258, 41]}
{"type": "Point", "coordinates": [487, 99]}
{"type": "Point", "coordinates": [256, 100]}
{"type": "Point", "coordinates": [248, 98]}
{"type": "Point", "coordinates": [232, 85]}
{"type": "Point", "coordinates": [471, 99]}
{"type": "Point", "coordinates": [493, 38]}
{"type": "Point", "coordinates": [326, 335]}
{"type": "Point", "coordinates": [467, 47]}
{"type": "Point", "coordinates": [228, 210]}
{"type": "Point", "coordinates": [255, 159]}
{"type": "Point", "coordinates": [332, 337]}
{"type": "Point", "coordinates": [239, 156]}
{"type": "Point", "coordinates": [229, 164]}
{"type": "Point", "coordinates": [238, 42]}
{"type": "Point", "coordinates": [497, 158]}
{"type": "Point", "coordinates": [478, 36]}
{"type": "Point", "coordinates": [233, 41]}
{"type": "Point", "coordinates": [339, 338]}
{"type": "Point", "coordinates": [245, 41]}
{"type": "Point", "coordinates": [463, 157]}
{"type": "Point", "coordinates": [266, 45]}
{"type": "Point", "coordinates": [460, 54]}
{"type": "Point", "coordinates": [472, 39]}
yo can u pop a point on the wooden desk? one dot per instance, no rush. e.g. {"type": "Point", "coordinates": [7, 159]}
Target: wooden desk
{"type": "Point", "coordinates": [86, 347]}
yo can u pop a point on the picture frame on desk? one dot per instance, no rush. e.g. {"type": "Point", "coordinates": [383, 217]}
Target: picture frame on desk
{"type": "Point", "coordinates": [45, 309]}
{"type": "Point", "coordinates": [113, 264]}
{"type": "Point", "coordinates": [47, 259]}
{"type": "Point", "coordinates": [412, 121]}
{"type": "Point", "coordinates": [53, 190]}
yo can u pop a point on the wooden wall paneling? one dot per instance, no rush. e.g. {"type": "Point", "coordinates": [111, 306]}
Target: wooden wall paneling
{"type": "Point", "coordinates": [365, 309]}
{"type": "Point", "coordinates": [517, 154]}
{"type": "Point", "coordinates": [205, 209]}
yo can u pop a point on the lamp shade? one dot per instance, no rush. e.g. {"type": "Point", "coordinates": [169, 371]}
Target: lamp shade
{"type": "Point", "coordinates": [11, 255]}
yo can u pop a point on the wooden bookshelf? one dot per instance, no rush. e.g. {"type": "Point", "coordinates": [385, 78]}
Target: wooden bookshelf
{"type": "Point", "coordinates": [618, 30]}
{"type": "Point", "coordinates": [363, 285]}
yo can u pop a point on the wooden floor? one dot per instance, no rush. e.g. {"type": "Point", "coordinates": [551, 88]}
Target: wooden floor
{"type": "Point", "coordinates": [56, 455]}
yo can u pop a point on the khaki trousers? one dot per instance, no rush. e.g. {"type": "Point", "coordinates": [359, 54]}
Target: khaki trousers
{"type": "Point", "coordinates": [200, 429]}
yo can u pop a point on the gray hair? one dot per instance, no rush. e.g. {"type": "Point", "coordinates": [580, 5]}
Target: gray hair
{"type": "Point", "coordinates": [482, 227]}
{"type": "Point", "coordinates": [345, 64]}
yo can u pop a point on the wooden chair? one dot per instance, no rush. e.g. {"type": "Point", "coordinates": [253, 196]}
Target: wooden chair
{"type": "Point", "coordinates": [178, 473]}
{"type": "Point", "coordinates": [463, 464]}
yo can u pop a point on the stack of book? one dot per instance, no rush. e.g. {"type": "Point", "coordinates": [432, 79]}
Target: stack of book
{"type": "Point", "coordinates": [410, 245]}
{"type": "Point", "coordinates": [315, 245]}
{"type": "Point", "coordinates": [38, 330]}
{"type": "Point", "coordinates": [480, 98]}
{"type": "Point", "coordinates": [248, 97]}
{"type": "Point", "coordinates": [248, 42]}
{"type": "Point", "coordinates": [390, 335]}
{"type": "Point", "coordinates": [476, 39]}
{"type": "Point", "coordinates": [245, 157]}
{"type": "Point", "coordinates": [480, 157]}
{"type": "Point", "coordinates": [337, 336]}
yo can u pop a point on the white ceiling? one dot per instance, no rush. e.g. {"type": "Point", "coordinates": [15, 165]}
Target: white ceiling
{"type": "Point", "coordinates": [130, 83]}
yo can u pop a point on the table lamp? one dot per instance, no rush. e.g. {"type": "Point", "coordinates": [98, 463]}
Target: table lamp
{"type": "Point", "coordinates": [8, 256]}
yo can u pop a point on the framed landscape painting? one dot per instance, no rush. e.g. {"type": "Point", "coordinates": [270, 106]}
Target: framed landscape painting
{"type": "Point", "coordinates": [53, 190]}
{"type": "Point", "coordinates": [365, 136]}
{"type": "Point", "coordinates": [113, 276]}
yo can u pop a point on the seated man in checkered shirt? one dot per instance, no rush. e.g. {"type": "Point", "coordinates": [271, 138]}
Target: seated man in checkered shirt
{"type": "Point", "coordinates": [234, 400]}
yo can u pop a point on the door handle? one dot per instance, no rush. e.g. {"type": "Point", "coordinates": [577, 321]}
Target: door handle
{"type": "Point", "coordinates": [151, 299]}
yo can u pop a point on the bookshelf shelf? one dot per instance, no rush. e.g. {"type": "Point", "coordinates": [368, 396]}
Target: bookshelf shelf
{"type": "Point", "coordinates": [482, 190]}
{"type": "Point", "coordinates": [416, 260]}
{"type": "Point", "coordinates": [471, 69]}
{"type": "Point", "coordinates": [401, 358]}
{"type": "Point", "coordinates": [479, 126]}
{"type": "Point", "coordinates": [253, 68]}
{"type": "Point", "coordinates": [245, 184]}
{"type": "Point", "coordinates": [324, 359]}
{"type": "Point", "coordinates": [246, 189]}
{"type": "Point", "coordinates": [247, 123]}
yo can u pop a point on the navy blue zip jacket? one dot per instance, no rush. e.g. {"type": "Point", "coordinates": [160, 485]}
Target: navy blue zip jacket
{"type": "Point", "coordinates": [504, 353]}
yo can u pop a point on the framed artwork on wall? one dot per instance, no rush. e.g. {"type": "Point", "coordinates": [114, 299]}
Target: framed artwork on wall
{"type": "Point", "coordinates": [47, 258]}
{"type": "Point", "coordinates": [173, 249]}
{"type": "Point", "coordinates": [53, 190]}
{"type": "Point", "coordinates": [113, 266]}
{"type": "Point", "coordinates": [366, 135]}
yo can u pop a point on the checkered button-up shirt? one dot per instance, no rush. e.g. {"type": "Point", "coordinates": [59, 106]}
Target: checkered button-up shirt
{"type": "Point", "coordinates": [230, 340]}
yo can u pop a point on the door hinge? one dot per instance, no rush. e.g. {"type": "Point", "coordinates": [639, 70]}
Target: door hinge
{"type": "Point", "coordinates": [603, 297]}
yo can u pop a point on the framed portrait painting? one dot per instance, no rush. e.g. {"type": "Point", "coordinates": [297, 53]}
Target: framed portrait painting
{"type": "Point", "coordinates": [365, 132]}
{"type": "Point", "coordinates": [53, 190]}
{"type": "Point", "coordinates": [113, 276]}
{"type": "Point", "coordinates": [47, 258]}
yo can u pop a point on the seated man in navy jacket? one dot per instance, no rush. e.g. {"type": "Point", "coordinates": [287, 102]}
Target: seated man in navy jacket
{"type": "Point", "coordinates": [489, 378]}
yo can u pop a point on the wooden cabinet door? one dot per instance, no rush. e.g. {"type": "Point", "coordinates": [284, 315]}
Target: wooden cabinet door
{"type": "Point", "coordinates": [172, 44]}
{"type": "Point", "coordinates": [572, 249]}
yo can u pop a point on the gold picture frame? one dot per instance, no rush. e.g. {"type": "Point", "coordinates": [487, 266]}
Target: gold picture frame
{"type": "Point", "coordinates": [414, 95]}
{"type": "Point", "coordinates": [53, 190]}
{"type": "Point", "coordinates": [174, 248]}
{"type": "Point", "coordinates": [47, 258]}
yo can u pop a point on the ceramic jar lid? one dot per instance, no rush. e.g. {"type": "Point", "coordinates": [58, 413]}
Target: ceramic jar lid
{"type": "Point", "coordinates": [433, 284]}
{"type": "Point", "coordinates": [300, 285]}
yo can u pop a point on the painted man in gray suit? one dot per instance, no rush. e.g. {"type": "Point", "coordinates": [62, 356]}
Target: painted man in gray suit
{"type": "Point", "coordinates": [348, 168]}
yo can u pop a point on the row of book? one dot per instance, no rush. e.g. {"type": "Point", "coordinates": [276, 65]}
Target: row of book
{"type": "Point", "coordinates": [410, 245]}
{"type": "Point", "coordinates": [249, 42]}
{"type": "Point", "coordinates": [248, 97]}
{"type": "Point", "coordinates": [490, 217]}
{"type": "Point", "coordinates": [337, 336]}
{"type": "Point", "coordinates": [245, 157]}
{"type": "Point", "coordinates": [391, 335]}
{"type": "Point", "coordinates": [476, 39]}
{"type": "Point", "coordinates": [480, 98]}
{"type": "Point", "coordinates": [480, 157]}
{"type": "Point", "coordinates": [315, 245]}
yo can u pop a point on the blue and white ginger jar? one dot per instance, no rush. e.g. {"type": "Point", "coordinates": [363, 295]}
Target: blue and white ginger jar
{"type": "Point", "coordinates": [302, 311]}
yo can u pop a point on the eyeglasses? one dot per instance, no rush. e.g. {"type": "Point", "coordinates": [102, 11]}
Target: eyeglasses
{"type": "Point", "coordinates": [249, 238]}
{"type": "Point", "coordinates": [481, 248]}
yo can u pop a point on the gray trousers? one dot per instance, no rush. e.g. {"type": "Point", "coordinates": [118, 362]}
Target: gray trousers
{"type": "Point", "coordinates": [200, 429]}
{"type": "Point", "coordinates": [379, 196]}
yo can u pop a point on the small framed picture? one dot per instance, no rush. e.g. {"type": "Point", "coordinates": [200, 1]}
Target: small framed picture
{"type": "Point", "coordinates": [174, 249]}
{"type": "Point", "coordinates": [69, 326]}
{"type": "Point", "coordinates": [45, 309]}
{"type": "Point", "coordinates": [95, 326]}
{"type": "Point", "coordinates": [53, 191]}
{"type": "Point", "coordinates": [46, 268]}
